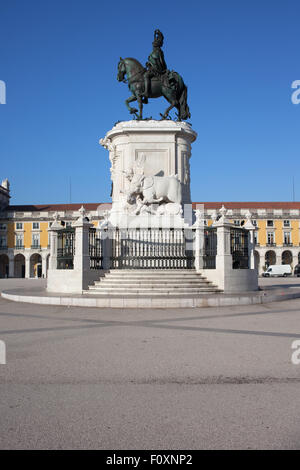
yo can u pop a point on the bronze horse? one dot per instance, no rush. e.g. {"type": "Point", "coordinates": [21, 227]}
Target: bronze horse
{"type": "Point", "coordinates": [171, 86]}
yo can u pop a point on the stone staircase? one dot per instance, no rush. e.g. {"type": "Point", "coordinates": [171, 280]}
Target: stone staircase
{"type": "Point", "coordinates": [152, 282]}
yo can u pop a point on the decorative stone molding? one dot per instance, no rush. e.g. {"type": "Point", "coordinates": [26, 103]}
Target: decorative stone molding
{"type": "Point", "coordinates": [164, 147]}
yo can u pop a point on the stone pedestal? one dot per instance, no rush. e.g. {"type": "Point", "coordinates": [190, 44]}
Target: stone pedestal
{"type": "Point", "coordinates": [143, 155]}
{"type": "Point", "coordinates": [78, 278]}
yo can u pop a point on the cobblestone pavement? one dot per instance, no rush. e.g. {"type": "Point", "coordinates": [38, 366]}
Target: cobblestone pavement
{"type": "Point", "coordinates": [145, 379]}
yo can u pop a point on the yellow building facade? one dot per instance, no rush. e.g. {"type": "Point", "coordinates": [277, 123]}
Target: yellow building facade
{"type": "Point", "coordinates": [24, 237]}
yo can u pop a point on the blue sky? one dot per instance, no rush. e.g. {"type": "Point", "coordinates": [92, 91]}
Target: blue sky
{"type": "Point", "coordinates": [59, 62]}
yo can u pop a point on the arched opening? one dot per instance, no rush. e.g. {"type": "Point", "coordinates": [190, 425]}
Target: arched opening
{"type": "Point", "coordinates": [256, 260]}
{"type": "Point", "coordinates": [19, 265]}
{"type": "Point", "coordinates": [287, 257]}
{"type": "Point", "coordinates": [36, 265]}
{"type": "Point", "coordinates": [4, 266]}
{"type": "Point", "coordinates": [270, 258]}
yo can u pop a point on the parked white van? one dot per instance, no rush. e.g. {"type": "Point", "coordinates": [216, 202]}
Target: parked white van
{"type": "Point", "coordinates": [278, 270]}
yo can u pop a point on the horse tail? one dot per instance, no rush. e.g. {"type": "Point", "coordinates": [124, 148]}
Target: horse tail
{"type": "Point", "coordinates": [184, 110]}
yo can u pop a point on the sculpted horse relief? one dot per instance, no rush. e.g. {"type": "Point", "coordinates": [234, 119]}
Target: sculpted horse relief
{"type": "Point", "coordinates": [157, 189]}
{"type": "Point", "coordinates": [147, 190]}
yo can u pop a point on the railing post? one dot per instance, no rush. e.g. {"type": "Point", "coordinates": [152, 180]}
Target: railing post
{"type": "Point", "coordinates": [82, 255]}
{"type": "Point", "coordinates": [53, 230]}
{"type": "Point", "coordinates": [106, 246]}
{"type": "Point", "coordinates": [251, 244]}
{"type": "Point", "coordinates": [199, 240]}
{"type": "Point", "coordinates": [223, 257]}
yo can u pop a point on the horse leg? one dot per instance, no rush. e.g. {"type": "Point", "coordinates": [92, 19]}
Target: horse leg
{"type": "Point", "coordinates": [166, 113]}
{"type": "Point", "coordinates": [140, 101]}
{"type": "Point", "coordinates": [130, 109]}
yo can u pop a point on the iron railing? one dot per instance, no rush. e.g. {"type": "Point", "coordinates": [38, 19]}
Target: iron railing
{"type": "Point", "coordinates": [95, 250]}
{"type": "Point", "coordinates": [239, 248]}
{"type": "Point", "coordinates": [65, 248]}
{"type": "Point", "coordinates": [152, 249]}
{"type": "Point", "coordinates": [210, 248]}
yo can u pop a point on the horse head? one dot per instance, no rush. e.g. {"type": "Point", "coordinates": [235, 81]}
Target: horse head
{"type": "Point", "coordinates": [130, 67]}
{"type": "Point", "coordinates": [121, 70]}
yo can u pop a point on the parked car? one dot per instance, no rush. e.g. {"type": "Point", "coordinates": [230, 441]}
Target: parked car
{"type": "Point", "coordinates": [297, 270]}
{"type": "Point", "coordinates": [278, 270]}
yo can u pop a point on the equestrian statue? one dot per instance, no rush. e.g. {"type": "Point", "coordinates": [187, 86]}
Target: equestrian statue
{"type": "Point", "coordinates": [154, 81]}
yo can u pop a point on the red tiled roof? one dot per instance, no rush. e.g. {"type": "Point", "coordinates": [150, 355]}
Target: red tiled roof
{"type": "Point", "coordinates": [249, 205]}
{"type": "Point", "coordinates": [107, 205]}
{"type": "Point", "coordinates": [89, 206]}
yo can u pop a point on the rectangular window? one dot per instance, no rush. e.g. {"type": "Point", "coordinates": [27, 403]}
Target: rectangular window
{"type": "Point", "coordinates": [3, 226]}
{"type": "Point", "coordinates": [19, 226]}
{"type": "Point", "coordinates": [19, 240]}
{"type": "Point", "coordinates": [237, 222]}
{"type": "Point", "coordinates": [35, 240]}
{"type": "Point", "coordinates": [286, 223]}
{"type": "Point", "coordinates": [287, 238]}
{"type": "Point", "coordinates": [256, 237]}
{"type": "Point", "coordinates": [270, 223]}
{"type": "Point", "coordinates": [3, 243]}
{"type": "Point", "coordinates": [254, 222]}
{"type": "Point", "coordinates": [35, 225]}
{"type": "Point", "coordinates": [271, 238]}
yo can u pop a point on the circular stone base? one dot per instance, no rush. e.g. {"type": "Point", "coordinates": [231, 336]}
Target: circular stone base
{"type": "Point", "coordinates": [98, 301]}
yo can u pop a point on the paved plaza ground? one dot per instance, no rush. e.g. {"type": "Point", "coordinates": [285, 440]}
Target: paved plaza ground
{"type": "Point", "coordinates": [209, 378]}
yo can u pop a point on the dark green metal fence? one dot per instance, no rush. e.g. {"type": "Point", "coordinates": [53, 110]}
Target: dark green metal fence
{"type": "Point", "coordinates": [65, 248]}
{"type": "Point", "coordinates": [239, 248]}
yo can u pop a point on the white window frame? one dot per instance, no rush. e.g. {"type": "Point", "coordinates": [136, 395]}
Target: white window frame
{"type": "Point", "coordinates": [19, 223]}
{"type": "Point", "coordinates": [36, 228]}
{"type": "Point", "coordinates": [19, 237]}
{"type": "Point", "coordinates": [289, 238]}
{"type": "Point", "coordinates": [35, 238]}
{"type": "Point", "coordinates": [273, 237]}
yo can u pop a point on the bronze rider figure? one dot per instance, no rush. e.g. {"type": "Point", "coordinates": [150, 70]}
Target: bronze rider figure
{"type": "Point", "coordinates": [156, 65]}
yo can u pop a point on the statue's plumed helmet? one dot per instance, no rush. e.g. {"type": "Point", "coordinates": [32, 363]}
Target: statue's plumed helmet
{"type": "Point", "coordinates": [158, 38]}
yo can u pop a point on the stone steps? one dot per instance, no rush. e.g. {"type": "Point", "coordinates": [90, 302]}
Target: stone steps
{"type": "Point", "coordinates": [150, 288]}
{"type": "Point", "coordinates": [150, 282]}
{"type": "Point", "coordinates": [149, 294]}
{"type": "Point", "coordinates": [148, 275]}
{"type": "Point", "coordinates": [163, 272]}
